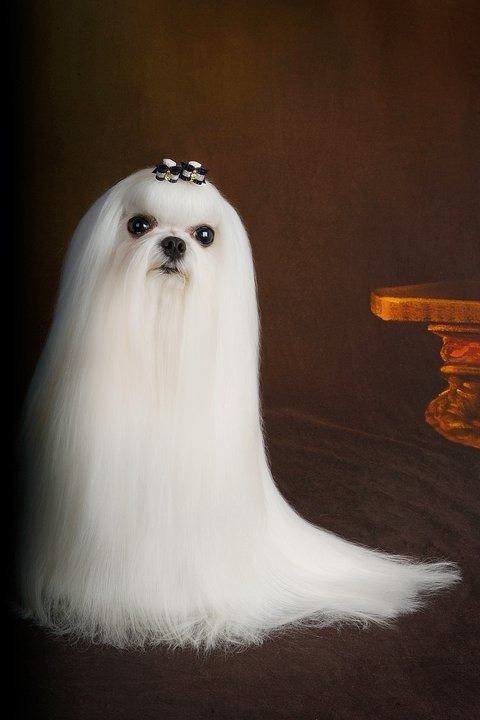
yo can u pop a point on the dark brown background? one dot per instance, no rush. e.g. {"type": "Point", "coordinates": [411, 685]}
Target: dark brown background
{"type": "Point", "coordinates": [347, 135]}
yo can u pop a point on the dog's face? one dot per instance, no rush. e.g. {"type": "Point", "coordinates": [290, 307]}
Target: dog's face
{"type": "Point", "coordinates": [169, 230]}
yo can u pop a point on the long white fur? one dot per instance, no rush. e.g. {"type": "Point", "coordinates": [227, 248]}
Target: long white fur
{"type": "Point", "coordinates": [152, 514]}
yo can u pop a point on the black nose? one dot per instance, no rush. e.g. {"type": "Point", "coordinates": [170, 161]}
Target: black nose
{"type": "Point", "coordinates": [173, 247]}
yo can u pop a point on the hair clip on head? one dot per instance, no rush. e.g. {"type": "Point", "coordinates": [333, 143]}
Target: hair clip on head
{"type": "Point", "coordinates": [190, 172]}
{"type": "Point", "coordinates": [193, 172]}
{"type": "Point", "coordinates": [168, 170]}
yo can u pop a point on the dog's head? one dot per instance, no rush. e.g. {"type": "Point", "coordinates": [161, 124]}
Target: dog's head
{"type": "Point", "coordinates": [159, 232]}
{"type": "Point", "coordinates": [169, 229]}
{"type": "Point", "coordinates": [158, 265]}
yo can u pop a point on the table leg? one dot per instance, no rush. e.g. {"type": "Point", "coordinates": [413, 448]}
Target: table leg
{"type": "Point", "coordinates": [455, 413]}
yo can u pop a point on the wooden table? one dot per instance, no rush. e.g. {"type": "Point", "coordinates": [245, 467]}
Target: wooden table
{"type": "Point", "coordinates": [452, 311]}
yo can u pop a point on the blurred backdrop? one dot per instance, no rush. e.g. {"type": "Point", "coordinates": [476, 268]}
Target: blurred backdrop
{"type": "Point", "coordinates": [345, 132]}
{"type": "Point", "coordinates": [347, 135]}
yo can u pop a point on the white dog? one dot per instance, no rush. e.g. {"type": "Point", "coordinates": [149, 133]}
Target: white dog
{"type": "Point", "coordinates": [151, 514]}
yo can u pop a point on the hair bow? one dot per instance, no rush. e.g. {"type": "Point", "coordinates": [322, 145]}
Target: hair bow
{"type": "Point", "coordinates": [190, 172]}
{"type": "Point", "coordinates": [168, 170]}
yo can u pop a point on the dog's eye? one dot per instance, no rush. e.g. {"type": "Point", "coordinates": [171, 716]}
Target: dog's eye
{"type": "Point", "coordinates": [204, 234]}
{"type": "Point", "coordinates": [139, 225]}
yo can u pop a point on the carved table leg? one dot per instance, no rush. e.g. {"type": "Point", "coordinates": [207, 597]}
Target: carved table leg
{"type": "Point", "coordinates": [455, 413]}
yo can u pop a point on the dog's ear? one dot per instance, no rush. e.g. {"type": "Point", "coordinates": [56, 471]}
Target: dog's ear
{"type": "Point", "coordinates": [240, 271]}
{"type": "Point", "coordinates": [238, 313]}
{"type": "Point", "coordinates": [89, 249]}
{"type": "Point", "coordinates": [82, 269]}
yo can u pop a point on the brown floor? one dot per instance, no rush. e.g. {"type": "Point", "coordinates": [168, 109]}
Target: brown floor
{"type": "Point", "coordinates": [409, 495]}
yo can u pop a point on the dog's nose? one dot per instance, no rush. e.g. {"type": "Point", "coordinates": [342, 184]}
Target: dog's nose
{"type": "Point", "coordinates": [173, 247]}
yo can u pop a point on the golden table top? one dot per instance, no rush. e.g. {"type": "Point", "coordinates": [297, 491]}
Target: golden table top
{"type": "Point", "coordinates": [443, 302]}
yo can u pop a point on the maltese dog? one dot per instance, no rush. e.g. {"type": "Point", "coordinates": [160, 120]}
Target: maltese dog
{"type": "Point", "coordinates": [151, 514]}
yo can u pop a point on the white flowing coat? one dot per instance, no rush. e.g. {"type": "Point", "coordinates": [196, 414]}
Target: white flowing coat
{"type": "Point", "coordinates": [151, 514]}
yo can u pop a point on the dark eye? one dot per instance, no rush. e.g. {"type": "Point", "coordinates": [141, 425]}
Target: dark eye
{"type": "Point", "coordinates": [204, 234]}
{"type": "Point", "coordinates": [139, 225]}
